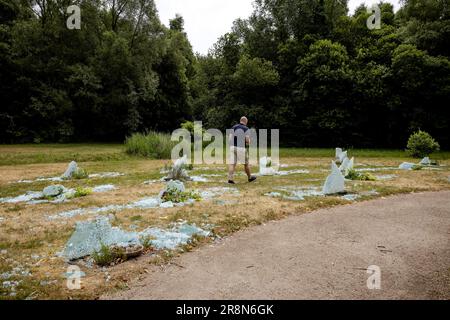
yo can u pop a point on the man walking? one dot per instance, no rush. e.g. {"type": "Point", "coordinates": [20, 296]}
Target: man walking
{"type": "Point", "coordinates": [240, 142]}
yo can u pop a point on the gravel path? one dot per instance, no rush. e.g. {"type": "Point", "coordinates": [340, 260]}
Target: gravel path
{"type": "Point", "coordinates": [321, 255]}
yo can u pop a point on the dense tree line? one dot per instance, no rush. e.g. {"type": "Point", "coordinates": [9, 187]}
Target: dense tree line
{"type": "Point", "coordinates": [306, 67]}
{"type": "Point", "coordinates": [122, 72]}
{"type": "Point", "coordinates": [325, 79]}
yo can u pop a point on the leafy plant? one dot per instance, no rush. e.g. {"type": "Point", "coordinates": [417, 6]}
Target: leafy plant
{"type": "Point", "coordinates": [82, 192]}
{"type": "Point", "coordinates": [80, 174]}
{"type": "Point", "coordinates": [147, 242]}
{"type": "Point", "coordinates": [176, 196]}
{"type": "Point", "coordinates": [357, 176]}
{"type": "Point", "coordinates": [106, 256]}
{"type": "Point", "coordinates": [421, 144]}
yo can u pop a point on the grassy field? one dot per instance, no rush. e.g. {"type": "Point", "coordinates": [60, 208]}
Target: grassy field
{"type": "Point", "coordinates": [30, 242]}
{"type": "Point", "coordinates": [62, 153]}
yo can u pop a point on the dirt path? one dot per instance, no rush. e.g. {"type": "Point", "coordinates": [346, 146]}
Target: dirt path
{"type": "Point", "coordinates": [322, 255]}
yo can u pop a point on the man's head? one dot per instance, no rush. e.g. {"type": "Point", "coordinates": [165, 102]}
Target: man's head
{"type": "Point", "coordinates": [244, 121]}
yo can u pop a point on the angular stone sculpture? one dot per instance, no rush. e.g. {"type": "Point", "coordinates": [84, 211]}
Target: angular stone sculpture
{"type": "Point", "coordinates": [351, 164]}
{"type": "Point", "coordinates": [346, 166]}
{"type": "Point", "coordinates": [335, 182]}
{"type": "Point", "coordinates": [73, 167]}
{"type": "Point", "coordinates": [53, 191]}
{"type": "Point", "coordinates": [339, 152]}
{"type": "Point", "coordinates": [425, 161]}
{"type": "Point", "coordinates": [344, 156]}
{"type": "Point", "coordinates": [178, 171]}
{"type": "Point", "coordinates": [89, 237]}
{"type": "Point", "coordinates": [175, 186]}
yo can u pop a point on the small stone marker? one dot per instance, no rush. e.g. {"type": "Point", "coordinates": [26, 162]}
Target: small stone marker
{"type": "Point", "coordinates": [73, 167]}
{"type": "Point", "coordinates": [53, 191]}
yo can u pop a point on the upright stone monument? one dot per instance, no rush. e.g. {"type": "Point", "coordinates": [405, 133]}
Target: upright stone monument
{"type": "Point", "coordinates": [335, 182]}
{"type": "Point", "coordinates": [71, 169]}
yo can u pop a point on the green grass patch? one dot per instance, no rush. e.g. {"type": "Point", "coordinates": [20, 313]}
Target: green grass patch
{"type": "Point", "coordinates": [60, 153]}
{"type": "Point", "coordinates": [358, 153]}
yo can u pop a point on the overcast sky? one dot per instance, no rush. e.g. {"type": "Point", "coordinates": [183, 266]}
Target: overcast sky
{"type": "Point", "coordinates": [207, 20]}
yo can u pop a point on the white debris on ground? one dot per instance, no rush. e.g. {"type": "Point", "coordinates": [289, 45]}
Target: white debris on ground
{"type": "Point", "coordinates": [1, 219]}
{"type": "Point", "coordinates": [149, 182]}
{"type": "Point", "coordinates": [57, 193]}
{"type": "Point", "coordinates": [106, 175]}
{"type": "Point", "coordinates": [291, 193]}
{"type": "Point", "coordinates": [147, 203]}
{"type": "Point", "coordinates": [351, 197]}
{"type": "Point", "coordinates": [386, 177]}
{"type": "Point", "coordinates": [295, 195]}
{"type": "Point", "coordinates": [375, 169]}
{"type": "Point", "coordinates": [11, 286]}
{"type": "Point", "coordinates": [29, 196]}
{"type": "Point", "coordinates": [292, 172]}
{"type": "Point", "coordinates": [104, 188]}
{"type": "Point", "coordinates": [89, 237]}
{"type": "Point", "coordinates": [60, 179]}
{"type": "Point", "coordinates": [52, 179]}
{"type": "Point", "coordinates": [407, 166]}
{"type": "Point", "coordinates": [199, 179]}
{"type": "Point", "coordinates": [15, 272]}
{"type": "Point", "coordinates": [354, 197]}
{"type": "Point", "coordinates": [211, 193]}
{"type": "Point", "coordinates": [71, 170]}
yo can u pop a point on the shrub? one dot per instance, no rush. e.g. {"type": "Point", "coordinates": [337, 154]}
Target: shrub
{"type": "Point", "coordinates": [152, 145]}
{"type": "Point", "coordinates": [421, 144]}
{"type": "Point", "coordinates": [356, 176]}
{"type": "Point", "coordinates": [80, 174]}
{"type": "Point", "coordinates": [107, 256]}
{"type": "Point", "coordinates": [82, 192]}
{"type": "Point", "coordinates": [147, 242]}
{"type": "Point", "coordinates": [176, 196]}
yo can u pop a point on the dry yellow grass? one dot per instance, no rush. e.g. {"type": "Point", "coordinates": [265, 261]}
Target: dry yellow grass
{"type": "Point", "coordinates": [32, 241]}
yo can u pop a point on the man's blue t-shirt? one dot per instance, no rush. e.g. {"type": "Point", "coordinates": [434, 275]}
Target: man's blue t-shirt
{"type": "Point", "coordinates": [240, 132]}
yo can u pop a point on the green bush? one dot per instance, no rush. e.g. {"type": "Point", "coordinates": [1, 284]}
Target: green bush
{"type": "Point", "coordinates": [176, 196]}
{"type": "Point", "coordinates": [82, 192]}
{"type": "Point", "coordinates": [363, 176]}
{"type": "Point", "coordinates": [421, 144]}
{"type": "Point", "coordinates": [80, 174]}
{"type": "Point", "coordinates": [153, 145]}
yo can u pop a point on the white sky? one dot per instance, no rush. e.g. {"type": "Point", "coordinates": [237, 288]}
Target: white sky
{"type": "Point", "coordinates": [207, 20]}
